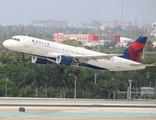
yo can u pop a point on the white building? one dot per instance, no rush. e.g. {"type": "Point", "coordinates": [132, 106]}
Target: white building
{"type": "Point", "coordinates": [149, 91]}
{"type": "Point", "coordinates": [153, 32]}
{"type": "Point", "coordinates": [123, 42]}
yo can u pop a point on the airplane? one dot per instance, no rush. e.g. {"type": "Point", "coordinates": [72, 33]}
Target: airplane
{"type": "Point", "coordinates": [44, 52]}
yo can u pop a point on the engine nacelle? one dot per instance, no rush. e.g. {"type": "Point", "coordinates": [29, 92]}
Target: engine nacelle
{"type": "Point", "coordinates": [64, 60]}
{"type": "Point", "coordinates": [37, 60]}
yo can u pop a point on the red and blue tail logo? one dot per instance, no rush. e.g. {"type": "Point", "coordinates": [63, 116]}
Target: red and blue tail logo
{"type": "Point", "coordinates": [134, 51]}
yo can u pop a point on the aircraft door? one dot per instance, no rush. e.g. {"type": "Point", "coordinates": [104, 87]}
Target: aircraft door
{"type": "Point", "coordinates": [28, 46]}
{"type": "Point", "coordinates": [26, 42]}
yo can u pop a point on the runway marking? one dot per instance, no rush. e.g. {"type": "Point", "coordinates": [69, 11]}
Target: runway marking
{"type": "Point", "coordinates": [75, 113]}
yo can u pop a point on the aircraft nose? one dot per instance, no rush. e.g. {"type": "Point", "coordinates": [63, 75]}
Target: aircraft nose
{"type": "Point", "coordinates": [6, 43]}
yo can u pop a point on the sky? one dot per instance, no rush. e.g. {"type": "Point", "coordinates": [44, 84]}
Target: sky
{"type": "Point", "coordinates": [76, 11]}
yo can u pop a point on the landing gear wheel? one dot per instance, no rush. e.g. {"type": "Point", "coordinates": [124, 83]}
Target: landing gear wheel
{"type": "Point", "coordinates": [76, 71]}
{"type": "Point", "coordinates": [60, 70]}
{"type": "Point", "coordinates": [20, 60]}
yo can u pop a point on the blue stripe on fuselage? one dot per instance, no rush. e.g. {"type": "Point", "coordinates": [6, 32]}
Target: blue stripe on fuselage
{"type": "Point", "coordinates": [91, 66]}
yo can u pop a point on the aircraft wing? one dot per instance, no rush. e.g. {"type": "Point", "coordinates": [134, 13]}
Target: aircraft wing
{"type": "Point", "coordinates": [93, 57]}
{"type": "Point", "coordinates": [85, 58]}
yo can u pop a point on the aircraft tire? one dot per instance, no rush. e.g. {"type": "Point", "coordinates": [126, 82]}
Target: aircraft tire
{"type": "Point", "coordinates": [60, 70]}
{"type": "Point", "coordinates": [77, 71]}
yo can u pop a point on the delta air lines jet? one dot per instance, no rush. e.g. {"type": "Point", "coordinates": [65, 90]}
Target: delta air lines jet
{"type": "Point", "coordinates": [43, 52]}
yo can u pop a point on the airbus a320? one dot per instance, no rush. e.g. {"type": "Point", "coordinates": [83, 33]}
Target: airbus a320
{"type": "Point", "coordinates": [43, 52]}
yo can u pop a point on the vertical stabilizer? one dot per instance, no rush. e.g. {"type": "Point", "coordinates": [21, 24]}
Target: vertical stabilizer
{"type": "Point", "coordinates": [134, 51]}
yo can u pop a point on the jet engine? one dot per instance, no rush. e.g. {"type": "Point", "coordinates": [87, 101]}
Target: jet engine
{"type": "Point", "coordinates": [38, 60]}
{"type": "Point", "coordinates": [64, 60]}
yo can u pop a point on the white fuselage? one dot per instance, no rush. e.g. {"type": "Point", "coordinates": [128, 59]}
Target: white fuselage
{"type": "Point", "coordinates": [39, 47]}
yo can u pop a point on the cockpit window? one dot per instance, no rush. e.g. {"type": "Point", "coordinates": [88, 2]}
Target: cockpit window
{"type": "Point", "coordinates": [16, 39]}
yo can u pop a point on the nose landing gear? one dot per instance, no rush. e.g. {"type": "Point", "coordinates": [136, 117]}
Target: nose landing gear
{"type": "Point", "coordinates": [21, 57]}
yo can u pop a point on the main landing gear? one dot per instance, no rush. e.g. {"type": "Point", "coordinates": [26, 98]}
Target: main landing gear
{"type": "Point", "coordinates": [75, 72]}
{"type": "Point", "coordinates": [60, 70]}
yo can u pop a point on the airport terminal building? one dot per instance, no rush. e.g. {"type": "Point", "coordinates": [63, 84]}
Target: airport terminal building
{"type": "Point", "coordinates": [90, 39]}
{"type": "Point", "coordinates": [83, 38]}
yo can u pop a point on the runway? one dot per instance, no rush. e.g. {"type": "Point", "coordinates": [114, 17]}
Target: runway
{"type": "Point", "coordinates": [63, 102]}
{"type": "Point", "coordinates": [65, 109]}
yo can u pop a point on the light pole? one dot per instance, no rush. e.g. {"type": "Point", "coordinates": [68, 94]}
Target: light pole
{"type": "Point", "coordinates": [43, 25]}
{"type": "Point", "coordinates": [148, 77]}
{"type": "Point", "coordinates": [98, 37]}
{"type": "Point", "coordinates": [75, 86]}
{"type": "Point", "coordinates": [130, 81]}
{"type": "Point", "coordinates": [95, 77]}
{"type": "Point", "coordinates": [46, 89]}
{"type": "Point", "coordinates": [6, 86]}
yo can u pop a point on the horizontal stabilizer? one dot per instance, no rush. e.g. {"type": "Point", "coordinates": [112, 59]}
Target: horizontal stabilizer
{"type": "Point", "coordinates": [139, 65]}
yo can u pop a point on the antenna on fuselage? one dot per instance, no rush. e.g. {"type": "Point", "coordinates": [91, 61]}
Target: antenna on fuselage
{"type": "Point", "coordinates": [28, 35]}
